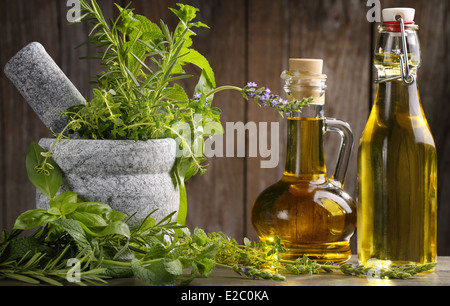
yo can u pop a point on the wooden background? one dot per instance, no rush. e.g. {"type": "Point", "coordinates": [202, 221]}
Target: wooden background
{"type": "Point", "coordinates": [249, 40]}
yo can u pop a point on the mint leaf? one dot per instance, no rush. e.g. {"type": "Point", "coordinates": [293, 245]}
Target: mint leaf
{"type": "Point", "coordinates": [197, 59]}
{"type": "Point", "coordinates": [74, 229]}
{"type": "Point", "coordinates": [154, 273]}
{"type": "Point", "coordinates": [173, 267]}
{"type": "Point", "coordinates": [29, 246]}
{"type": "Point", "coordinates": [176, 93]}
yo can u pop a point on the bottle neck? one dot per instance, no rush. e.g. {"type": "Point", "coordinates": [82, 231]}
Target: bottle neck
{"type": "Point", "coordinates": [305, 148]}
{"type": "Point", "coordinates": [390, 57]}
{"type": "Point", "coordinates": [395, 98]}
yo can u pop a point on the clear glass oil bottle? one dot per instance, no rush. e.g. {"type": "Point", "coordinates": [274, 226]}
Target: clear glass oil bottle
{"type": "Point", "coordinates": [310, 213]}
{"type": "Point", "coordinates": [397, 162]}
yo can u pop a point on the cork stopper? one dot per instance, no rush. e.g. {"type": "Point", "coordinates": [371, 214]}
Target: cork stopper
{"type": "Point", "coordinates": [307, 80]}
{"type": "Point", "coordinates": [306, 65]}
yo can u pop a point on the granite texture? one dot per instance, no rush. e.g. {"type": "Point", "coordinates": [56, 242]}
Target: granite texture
{"type": "Point", "coordinates": [132, 177]}
{"type": "Point", "coordinates": [43, 85]}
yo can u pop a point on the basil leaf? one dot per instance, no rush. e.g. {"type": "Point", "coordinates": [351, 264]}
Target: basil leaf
{"type": "Point", "coordinates": [48, 184]}
{"type": "Point", "coordinates": [116, 228]}
{"type": "Point", "coordinates": [34, 218]}
{"type": "Point", "coordinates": [101, 209]}
{"type": "Point", "coordinates": [88, 219]}
{"type": "Point", "coordinates": [68, 197]}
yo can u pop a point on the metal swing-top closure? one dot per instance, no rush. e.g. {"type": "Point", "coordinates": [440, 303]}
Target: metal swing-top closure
{"type": "Point", "coordinates": [402, 16]}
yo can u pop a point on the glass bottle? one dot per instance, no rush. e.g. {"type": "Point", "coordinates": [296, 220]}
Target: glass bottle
{"type": "Point", "coordinates": [310, 212]}
{"type": "Point", "coordinates": [397, 162]}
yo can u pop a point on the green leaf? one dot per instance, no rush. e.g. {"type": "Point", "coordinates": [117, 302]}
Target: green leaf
{"type": "Point", "coordinates": [48, 280]}
{"type": "Point", "coordinates": [213, 127]}
{"type": "Point", "coordinates": [174, 267]}
{"type": "Point", "coordinates": [204, 84]}
{"type": "Point", "coordinates": [88, 219]}
{"type": "Point", "coordinates": [47, 184]}
{"type": "Point", "coordinates": [195, 58]}
{"type": "Point", "coordinates": [115, 228]}
{"type": "Point", "coordinates": [74, 229]}
{"type": "Point", "coordinates": [64, 199]}
{"type": "Point", "coordinates": [22, 278]}
{"type": "Point", "coordinates": [205, 266]}
{"type": "Point", "coordinates": [176, 93]}
{"type": "Point", "coordinates": [154, 273]}
{"type": "Point", "coordinates": [25, 246]}
{"type": "Point", "coordinates": [34, 218]}
{"type": "Point", "coordinates": [200, 237]}
{"type": "Point", "coordinates": [148, 30]}
{"type": "Point", "coordinates": [101, 209]}
{"type": "Point", "coordinates": [186, 13]}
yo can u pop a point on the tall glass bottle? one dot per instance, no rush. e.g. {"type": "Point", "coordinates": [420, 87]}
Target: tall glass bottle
{"type": "Point", "coordinates": [310, 212]}
{"type": "Point", "coordinates": [397, 162]}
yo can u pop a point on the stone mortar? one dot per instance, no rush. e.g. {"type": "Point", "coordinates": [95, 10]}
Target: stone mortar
{"type": "Point", "coordinates": [132, 177]}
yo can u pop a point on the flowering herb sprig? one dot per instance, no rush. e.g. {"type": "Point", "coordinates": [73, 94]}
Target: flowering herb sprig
{"type": "Point", "coordinates": [265, 98]}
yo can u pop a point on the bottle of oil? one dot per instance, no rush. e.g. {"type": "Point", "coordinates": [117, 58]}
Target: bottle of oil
{"type": "Point", "coordinates": [310, 213]}
{"type": "Point", "coordinates": [397, 162]}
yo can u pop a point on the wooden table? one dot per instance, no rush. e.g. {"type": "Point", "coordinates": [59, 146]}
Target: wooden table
{"type": "Point", "coordinates": [227, 277]}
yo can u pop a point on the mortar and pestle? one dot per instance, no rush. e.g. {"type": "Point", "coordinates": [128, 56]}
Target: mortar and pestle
{"type": "Point", "coordinates": [132, 177]}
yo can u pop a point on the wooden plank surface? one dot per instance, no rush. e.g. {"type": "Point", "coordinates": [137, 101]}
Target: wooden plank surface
{"type": "Point", "coordinates": [249, 40]}
{"type": "Point", "coordinates": [221, 277]}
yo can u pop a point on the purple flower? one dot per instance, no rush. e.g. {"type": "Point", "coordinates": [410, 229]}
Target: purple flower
{"type": "Point", "coordinates": [284, 102]}
{"type": "Point", "coordinates": [252, 84]}
{"type": "Point", "coordinates": [251, 95]}
{"type": "Point", "coordinates": [264, 104]}
{"type": "Point", "coordinates": [262, 98]}
{"type": "Point", "coordinates": [274, 103]}
{"type": "Point", "coordinates": [244, 270]}
{"type": "Point", "coordinates": [268, 91]}
{"type": "Point", "coordinates": [197, 96]}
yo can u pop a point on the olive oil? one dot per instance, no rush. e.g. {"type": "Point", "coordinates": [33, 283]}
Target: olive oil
{"type": "Point", "coordinates": [397, 170]}
{"type": "Point", "coordinates": [310, 214]}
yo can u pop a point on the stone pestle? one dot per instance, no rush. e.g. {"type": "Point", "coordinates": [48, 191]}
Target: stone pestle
{"type": "Point", "coordinates": [43, 85]}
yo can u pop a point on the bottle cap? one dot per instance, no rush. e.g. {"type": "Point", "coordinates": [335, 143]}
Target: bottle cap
{"type": "Point", "coordinates": [306, 65]}
{"type": "Point", "coordinates": [390, 14]}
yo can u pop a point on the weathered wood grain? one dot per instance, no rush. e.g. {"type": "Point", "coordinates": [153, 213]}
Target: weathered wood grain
{"type": "Point", "coordinates": [249, 40]}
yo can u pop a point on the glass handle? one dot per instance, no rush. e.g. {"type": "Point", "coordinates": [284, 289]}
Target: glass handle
{"type": "Point", "coordinates": [344, 129]}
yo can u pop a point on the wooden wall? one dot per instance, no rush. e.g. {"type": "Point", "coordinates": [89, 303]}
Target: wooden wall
{"type": "Point", "coordinates": [249, 40]}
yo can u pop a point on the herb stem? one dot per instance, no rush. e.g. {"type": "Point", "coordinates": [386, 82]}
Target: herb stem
{"type": "Point", "coordinates": [218, 89]}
